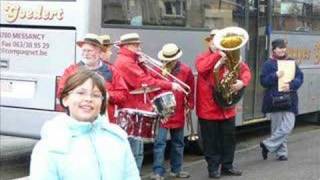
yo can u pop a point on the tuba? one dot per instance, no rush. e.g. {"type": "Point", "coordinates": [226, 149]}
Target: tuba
{"type": "Point", "coordinates": [229, 40]}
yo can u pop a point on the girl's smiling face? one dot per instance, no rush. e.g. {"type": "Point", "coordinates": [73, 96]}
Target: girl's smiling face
{"type": "Point", "coordinates": [84, 102]}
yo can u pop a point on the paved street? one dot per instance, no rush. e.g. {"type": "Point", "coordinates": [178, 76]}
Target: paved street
{"type": "Point", "coordinates": [303, 164]}
{"type": "Point", "coordinates": [15, 156]}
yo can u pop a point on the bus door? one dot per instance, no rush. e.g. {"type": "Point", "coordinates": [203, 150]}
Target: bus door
{"type": "Point", "coordinates": [256, 22]}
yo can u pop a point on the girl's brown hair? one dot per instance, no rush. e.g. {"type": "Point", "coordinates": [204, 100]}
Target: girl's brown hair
{"type": "Point", "coordinates": [80, 77]}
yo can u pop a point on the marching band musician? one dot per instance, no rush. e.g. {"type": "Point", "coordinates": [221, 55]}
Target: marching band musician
{"type": "Point", "coordinates": [136, 76]}
{"type": "Point", "coordinates": [106, 48]}
{"type": "Point", "coordinates": [217, 123]}
{"type": "Point", "coordinates": [92, 49]}
{"type": "Point", "coordinates": [169, 56]}
{"type": "Point", "coordinates": [119, 96]}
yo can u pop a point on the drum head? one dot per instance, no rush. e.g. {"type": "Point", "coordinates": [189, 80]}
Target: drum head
{"type": "Point", "coordinates": [139, 112]}
{"type": "Point", "coordinates": [164, 104]}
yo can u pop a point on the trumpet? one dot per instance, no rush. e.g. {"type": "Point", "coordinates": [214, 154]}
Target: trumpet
{"type": "Point", "coordinates": [154, 65]}
{"type": "Point", "coordinates": [192, 136]}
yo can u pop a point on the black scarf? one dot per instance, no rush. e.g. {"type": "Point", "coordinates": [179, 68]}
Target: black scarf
{"type": "Point", "coordinates": [275, 56]}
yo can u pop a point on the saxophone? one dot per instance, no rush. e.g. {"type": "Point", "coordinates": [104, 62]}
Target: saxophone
{"type": "Point", "coordinates": [229, 40]}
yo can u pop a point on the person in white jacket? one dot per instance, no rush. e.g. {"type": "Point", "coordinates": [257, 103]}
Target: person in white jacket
{"type": "Point", "coordinates": [82, 144]}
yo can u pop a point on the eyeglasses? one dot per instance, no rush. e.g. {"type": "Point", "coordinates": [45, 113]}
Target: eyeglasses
{"type": "Point", "coordinates": [82, 94]}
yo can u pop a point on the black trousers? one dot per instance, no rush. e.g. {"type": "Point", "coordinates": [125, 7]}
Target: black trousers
{"type": "Point", "coordinates": [218, 143]}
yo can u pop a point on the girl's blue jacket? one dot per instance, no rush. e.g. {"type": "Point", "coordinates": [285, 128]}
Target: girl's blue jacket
{"type": "Point", "coordinates": [70, 149]}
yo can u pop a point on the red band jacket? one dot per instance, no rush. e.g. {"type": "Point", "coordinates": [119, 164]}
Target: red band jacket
{"type": "Point", "coordinates": [183, 73]}
{"type": "Point", "coordinates": [206, 107]}
{"type": "Point", "coordinates": [114, 84]}
{"type": "Point", "coordinates": [136, 75]}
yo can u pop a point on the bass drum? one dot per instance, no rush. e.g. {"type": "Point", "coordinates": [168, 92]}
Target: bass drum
{"type": "Point", "coordinates": [138, 123]}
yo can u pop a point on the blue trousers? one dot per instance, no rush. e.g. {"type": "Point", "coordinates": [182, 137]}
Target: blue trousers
{"type": "Point", "coordinates": [176, 153]}
{"type": "Point", "coordinates": [136, 145]}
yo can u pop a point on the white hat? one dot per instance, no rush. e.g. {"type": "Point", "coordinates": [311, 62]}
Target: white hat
{"type": "Point", "coordinates": [92, 39]}
{"type": "Point", "coordinates": [105, 40]}
{"type": "Point", "coordinates": [169, 52]}
{"type": "Point", "coordinates": [130, 38]}
{"type": "Point", "coordinates": [212, 33]}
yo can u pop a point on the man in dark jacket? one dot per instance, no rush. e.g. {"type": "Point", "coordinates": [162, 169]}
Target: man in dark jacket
{"type": "Point", "coordinates": [281, 113]}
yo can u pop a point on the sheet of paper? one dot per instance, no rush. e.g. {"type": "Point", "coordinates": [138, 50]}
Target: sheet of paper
{"type": "Point", "coordinates": [289, 69]}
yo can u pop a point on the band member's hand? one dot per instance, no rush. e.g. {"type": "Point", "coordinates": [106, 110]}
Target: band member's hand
{"type": "Point", "coordinates": [141, 59]}
{"type": "Point", "coordinates": [177, 87]}
{"type": "Point", "coordinates": [212, 46]}
{"type": "Point", "coordinates": [164, 120]}
{"type": "Point", "coordinates": [280, 74]}
{"type": "Point", "coordinates": [237, 86]}
{"type": "Point", "coordinates": [223, 57]}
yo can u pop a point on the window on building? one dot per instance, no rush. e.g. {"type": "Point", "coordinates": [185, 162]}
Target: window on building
{"type": "Point", "coordinates": [299, 15]}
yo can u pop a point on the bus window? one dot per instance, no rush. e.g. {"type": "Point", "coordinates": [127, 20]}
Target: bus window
{"type": "Point", "coordinates": [176, 13]}
{"type": "Point", "coordinates": [300, 15]}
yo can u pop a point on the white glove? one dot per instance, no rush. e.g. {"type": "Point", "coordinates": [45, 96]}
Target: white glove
{"type": "Point", "coordinates": [223, 57]}
{"type": "Point", "coordinates": [213, 47]}
{"type": "Point", "coordinates": [176, 87]}
{"type": "Point", "coordinates": [237, 86]}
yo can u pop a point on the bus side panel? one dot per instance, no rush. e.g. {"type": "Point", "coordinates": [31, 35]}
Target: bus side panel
{"type": "Point", "coordinates": [309, 93]}
{"type": "Point", "coordinates": [37, 42]}
{"type": "Point", "coordinates": [23, 122]}
{"type": "Point", "coordinates": [27, 90]}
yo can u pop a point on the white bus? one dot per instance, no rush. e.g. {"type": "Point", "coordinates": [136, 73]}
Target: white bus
{"type": "Point", "coordinates": [37, 42]}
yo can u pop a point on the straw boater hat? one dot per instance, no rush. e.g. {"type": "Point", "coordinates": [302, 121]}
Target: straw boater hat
{"type": "Point", "coordinates": [105, 40]}
{"type": "Point", "coordinates": [90, 38]}
{"type": "Point", "coordinates": [130, 38]}
{"type": "Point", "coordinates": [169, 52]}
{"type": "Point", "coordinates": [212, 33]}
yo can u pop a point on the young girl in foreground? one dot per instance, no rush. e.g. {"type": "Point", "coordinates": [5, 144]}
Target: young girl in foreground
{"type": "Point", "coordinates": [82, 144]}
